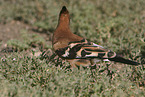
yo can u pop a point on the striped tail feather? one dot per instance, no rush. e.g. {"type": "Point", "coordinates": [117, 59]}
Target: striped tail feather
{"type": "Point", "coordinates": [123, 60]}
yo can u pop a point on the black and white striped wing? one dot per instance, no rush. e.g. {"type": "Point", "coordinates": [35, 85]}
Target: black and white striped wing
{"type": "Point", "coordinates": [84, 50]}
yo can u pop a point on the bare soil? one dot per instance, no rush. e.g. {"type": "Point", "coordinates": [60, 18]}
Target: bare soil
{"type": "Point", "coordinates": [13, 29]}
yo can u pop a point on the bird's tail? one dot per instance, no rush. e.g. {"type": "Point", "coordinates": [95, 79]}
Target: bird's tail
{"type": "Point", "coordinates": [123, 60]}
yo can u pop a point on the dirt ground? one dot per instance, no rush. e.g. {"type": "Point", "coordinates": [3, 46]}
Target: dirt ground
{"type": "Point", "coordinates": [12, 30]}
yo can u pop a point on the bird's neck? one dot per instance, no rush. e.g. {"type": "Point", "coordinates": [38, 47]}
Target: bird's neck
{"type": "Point", "coordinates": [64, 24]}
{"type": "Point", "coordinates": [62, 32]}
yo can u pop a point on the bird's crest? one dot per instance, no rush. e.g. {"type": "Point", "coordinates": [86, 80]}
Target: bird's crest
{"type": "Point", "coordinates": [64, 10]}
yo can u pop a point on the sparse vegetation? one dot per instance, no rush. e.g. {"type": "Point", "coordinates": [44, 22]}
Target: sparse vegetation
{"type": "Point", "coordinates": [31, 69]}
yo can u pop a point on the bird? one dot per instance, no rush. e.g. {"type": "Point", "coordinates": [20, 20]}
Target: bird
{"type": "Point", "coordinates": [78, 50]}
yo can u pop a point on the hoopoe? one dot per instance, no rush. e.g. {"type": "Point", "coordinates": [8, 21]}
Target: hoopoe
{"type": "Point", "coordinates": [77, 50]}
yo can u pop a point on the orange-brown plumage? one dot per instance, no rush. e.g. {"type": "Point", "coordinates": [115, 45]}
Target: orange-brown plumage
{"type": "Point", "coordinates": [77, 50]}
{"type": "Point", "coordinates": [63, 35]}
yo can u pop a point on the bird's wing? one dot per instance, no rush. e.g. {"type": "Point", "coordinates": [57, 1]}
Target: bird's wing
{"type": "Point", "coordinates": [84, 49]}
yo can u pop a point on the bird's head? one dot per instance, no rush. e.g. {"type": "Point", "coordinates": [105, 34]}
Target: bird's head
{"type": "Point", "coordinates": [64, 15]}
